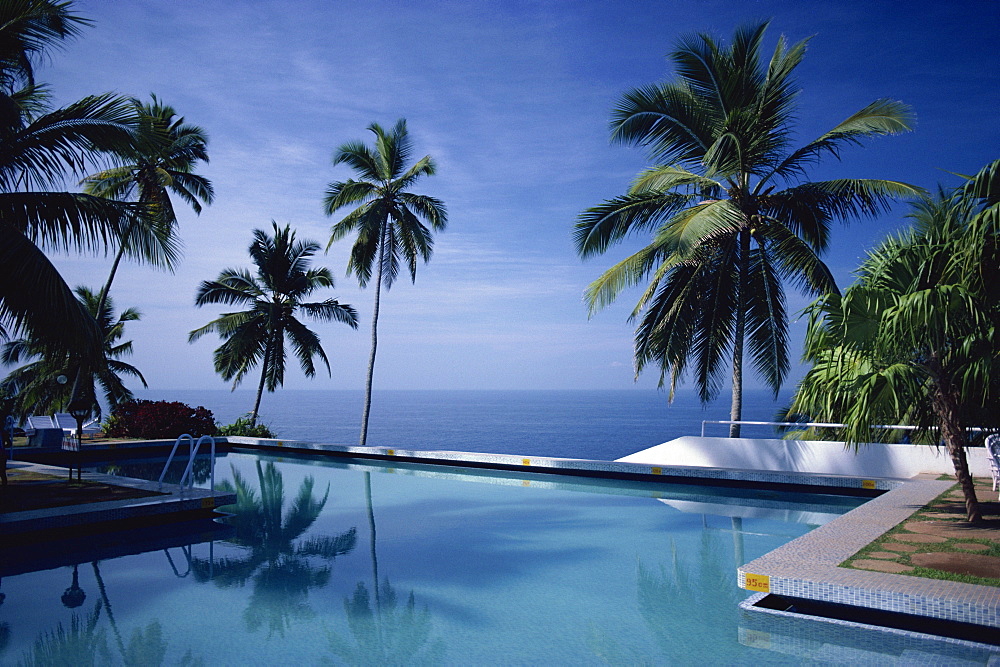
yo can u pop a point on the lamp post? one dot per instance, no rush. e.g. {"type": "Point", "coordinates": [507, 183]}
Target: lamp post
{"type": "Point", "coordinates": [79, 408]}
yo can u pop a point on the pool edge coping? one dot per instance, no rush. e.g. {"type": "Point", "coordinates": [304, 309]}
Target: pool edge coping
{"type": "Point", "coordinates": [809, 566]}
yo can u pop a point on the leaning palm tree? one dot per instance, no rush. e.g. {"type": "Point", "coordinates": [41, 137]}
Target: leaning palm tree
{"type": "Point", "coordinates": [39, 147]}
{"type": "Point", "coordinates": [914, 341]}
{"type": "Point", "coordinates": [160, 162]}
{"type": "Point", "coordinates": [388, 220]}
{"type": "Point", "coordinates": [731, 215]}
{"type": "Point", "coordinates": [257, 334]}
{"type": "Point", "coordinates": [35, 386]}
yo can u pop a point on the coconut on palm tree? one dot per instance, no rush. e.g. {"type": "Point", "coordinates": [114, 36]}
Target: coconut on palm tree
{"type": "Point", "coordinates": [160, 162]}
{"type": "Point", "coordinates": [730, 211]}
{"type": "Point", "coordinates": [914, 341]}
{"type": "Point", "coordinates": [272, 299]}
{"type": "Point", "coordinates": [389, 221]}
{"type": "Point", "coordinates": [40, 146]}
{"type": "Point", "coordinates": [35, 385]}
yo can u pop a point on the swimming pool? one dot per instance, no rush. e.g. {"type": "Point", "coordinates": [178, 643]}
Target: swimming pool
{"type": "Point", "coordinates": [349, 562]}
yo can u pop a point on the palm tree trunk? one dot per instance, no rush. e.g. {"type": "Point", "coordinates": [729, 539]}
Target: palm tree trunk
{"type": "Point", "coordinates": [263, 376]}
{"type": "Point", "coordinates": [371, 357]}
{"type": "Point", "coordinates": [114, 269]}
{"type": "Point", "coordinates": [736, 411]}
{"type": "Point", "coordinates": [946, 406]}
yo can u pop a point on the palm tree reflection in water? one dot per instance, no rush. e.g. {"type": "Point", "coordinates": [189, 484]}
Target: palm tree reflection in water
{"type": "Point", "coordinates": [280, 564]}
{"type": "Point", "coordinates": [677, 601]}
{"type": "Point", "coordinates": [384, 633]}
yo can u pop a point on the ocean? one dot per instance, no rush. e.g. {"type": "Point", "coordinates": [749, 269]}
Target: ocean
{"type": "Point", "coordinates": [602, 425]}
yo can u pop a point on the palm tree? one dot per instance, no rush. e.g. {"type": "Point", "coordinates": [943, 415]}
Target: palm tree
{"type": "Point", "coordinates": [388, 221]}
{"type": "Point", "coordinates": [35, 386]}
{"type": "Point", "coordinates": [160, 162]}
{"type": "Point", "coordinates": [257, 334]}
{"type": "Point", "coordinates": [39, 147]}
{"type": "Point", "coordinates": [28, 30]}
{"type": "Point", "coordinates": [914, 341]}
{"type": "Point", "coordinates": [731, 214]}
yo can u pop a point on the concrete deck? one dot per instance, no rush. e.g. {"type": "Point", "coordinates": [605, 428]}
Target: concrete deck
{"type": "Point", "coordinates": [176, 503]}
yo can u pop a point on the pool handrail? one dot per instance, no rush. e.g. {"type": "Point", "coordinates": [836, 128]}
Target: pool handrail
{"type": "Point", "coordinates": [896, 427]}
{"type": "Point", "coordinates": [188, 475]}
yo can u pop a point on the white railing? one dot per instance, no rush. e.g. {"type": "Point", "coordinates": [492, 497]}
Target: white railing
{"type": "Point", "coordinates": [188, 475]}
{"type": "Point", "coordinates": [897, 427]}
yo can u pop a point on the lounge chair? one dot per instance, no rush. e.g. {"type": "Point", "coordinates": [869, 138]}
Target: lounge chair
{"type": "Point", "coordinates": [36, 422]}
{"type": "Point", "coordinates": [67, 423]}
{"type": "Point", "coordinates": [993, 453]}
{"type": "Point", "coordinates": [43, 432]}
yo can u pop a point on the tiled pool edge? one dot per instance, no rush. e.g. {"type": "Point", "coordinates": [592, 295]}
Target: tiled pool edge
{"type": "Point", "coordinates": [176, 502]}
{"type": "Point", "coordinates": [842, 483]}
{"type": "Point", "coordinates": [807, 567]}
{"type": "Point", "coordinates": [749, 605]}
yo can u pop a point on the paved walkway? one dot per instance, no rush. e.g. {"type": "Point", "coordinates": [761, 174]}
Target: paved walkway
{"type": "Point", "coordinates": [938, 538]}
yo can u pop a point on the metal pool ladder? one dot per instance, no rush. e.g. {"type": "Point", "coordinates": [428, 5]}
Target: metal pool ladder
{"type": "Point", "coordinates": [188, 475]}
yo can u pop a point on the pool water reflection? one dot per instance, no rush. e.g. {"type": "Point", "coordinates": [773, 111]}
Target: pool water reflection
{"type": "Point", "coordinates": [354, 563]}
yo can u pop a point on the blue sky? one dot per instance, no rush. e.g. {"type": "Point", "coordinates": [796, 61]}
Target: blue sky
{"type": "Point", "coordinates": [512, 100]}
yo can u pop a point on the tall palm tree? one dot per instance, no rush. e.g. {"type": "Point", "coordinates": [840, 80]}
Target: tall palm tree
{"type": "Point", "coordinates": [915, 340]}
{"type": "Point", "coordinates": [39, 147]}
{"type": "Point", "coordinates": [731, 214]}
{"type": "Point", "coordinates": [160, 162]}
{"type": "Point", "coordinates": [35, 387]}
{"type": "Point", "coordinates": [388, 221]}
{"type": "Point", "coordinates": [257, 334]}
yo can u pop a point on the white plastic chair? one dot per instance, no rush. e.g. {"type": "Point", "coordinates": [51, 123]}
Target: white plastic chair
{"type": "Point", "coordinates": [993, 453]}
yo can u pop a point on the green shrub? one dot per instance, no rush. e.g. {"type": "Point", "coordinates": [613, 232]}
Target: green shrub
{"type": "Point", "coordinates": [158, 419]}
{"type": "Point", "coordinates": [243, 427]}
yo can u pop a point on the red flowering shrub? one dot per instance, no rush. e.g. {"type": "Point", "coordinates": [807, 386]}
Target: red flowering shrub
{"type": "Point", "coordinates": [158, 419]}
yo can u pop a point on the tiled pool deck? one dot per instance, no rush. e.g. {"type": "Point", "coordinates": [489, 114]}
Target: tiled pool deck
{"type": "Point", "coordinates": [175, 502]}
{"type": "Point", "coordinates": [807, 567]}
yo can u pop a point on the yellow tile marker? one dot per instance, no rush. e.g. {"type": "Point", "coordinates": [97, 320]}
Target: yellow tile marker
{"type": "Point", "coordinates": [868, 484]}
{"type": "Point", "coordinates": [207, 503]}
{"type": "Point", "coordinates": [526, 462]}
{"type": "Point", "coordinates": [657, 471]}
{"type": "Point", "coordinates": [757, 582]}
{"type": "Point", "coordinates": [390, 452]}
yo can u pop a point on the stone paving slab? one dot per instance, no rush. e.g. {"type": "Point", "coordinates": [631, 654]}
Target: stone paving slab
{"type": "Point", "coordinates": [977, 565]}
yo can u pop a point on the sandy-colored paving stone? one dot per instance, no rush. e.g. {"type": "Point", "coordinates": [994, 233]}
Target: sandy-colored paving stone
{"type": "Point", "coordinates": [882, 555]}
{"type": "Point", "coordinates": [943, 515]}
{"type": "Point", "coordinates": [976, 565]}
{"type": "Point", "coordinates": [899, 546]}
{"type": "Point", "coordinates": [970, 546]}
{"type": "Point", "coordinates": [880, 566]}
{"type": "Point", "coordinates": [919, 539]}
{"type": "Point", "coordinates": [959, 530]}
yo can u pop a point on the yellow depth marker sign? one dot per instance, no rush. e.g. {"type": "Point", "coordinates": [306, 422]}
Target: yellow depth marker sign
{"type": "Point", "coordinates": [757, 582]}
{"type": "Point", "coordinates": [868, 484]}
{"type": "Point", "coordinates": [207, 503]}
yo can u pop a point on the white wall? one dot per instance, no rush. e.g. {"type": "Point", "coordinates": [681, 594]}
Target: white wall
{"type": "Point", "coordinates": [873, 460]}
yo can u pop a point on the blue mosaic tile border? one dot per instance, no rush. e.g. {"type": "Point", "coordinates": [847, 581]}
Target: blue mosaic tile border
{"type": "Point", "coordinates": [807, 567]}
{"type": "Point", "coordinates": [798, 643]}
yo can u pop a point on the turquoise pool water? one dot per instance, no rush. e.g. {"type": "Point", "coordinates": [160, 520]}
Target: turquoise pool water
{"type": "Point", "coordinates": [353, 563]}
